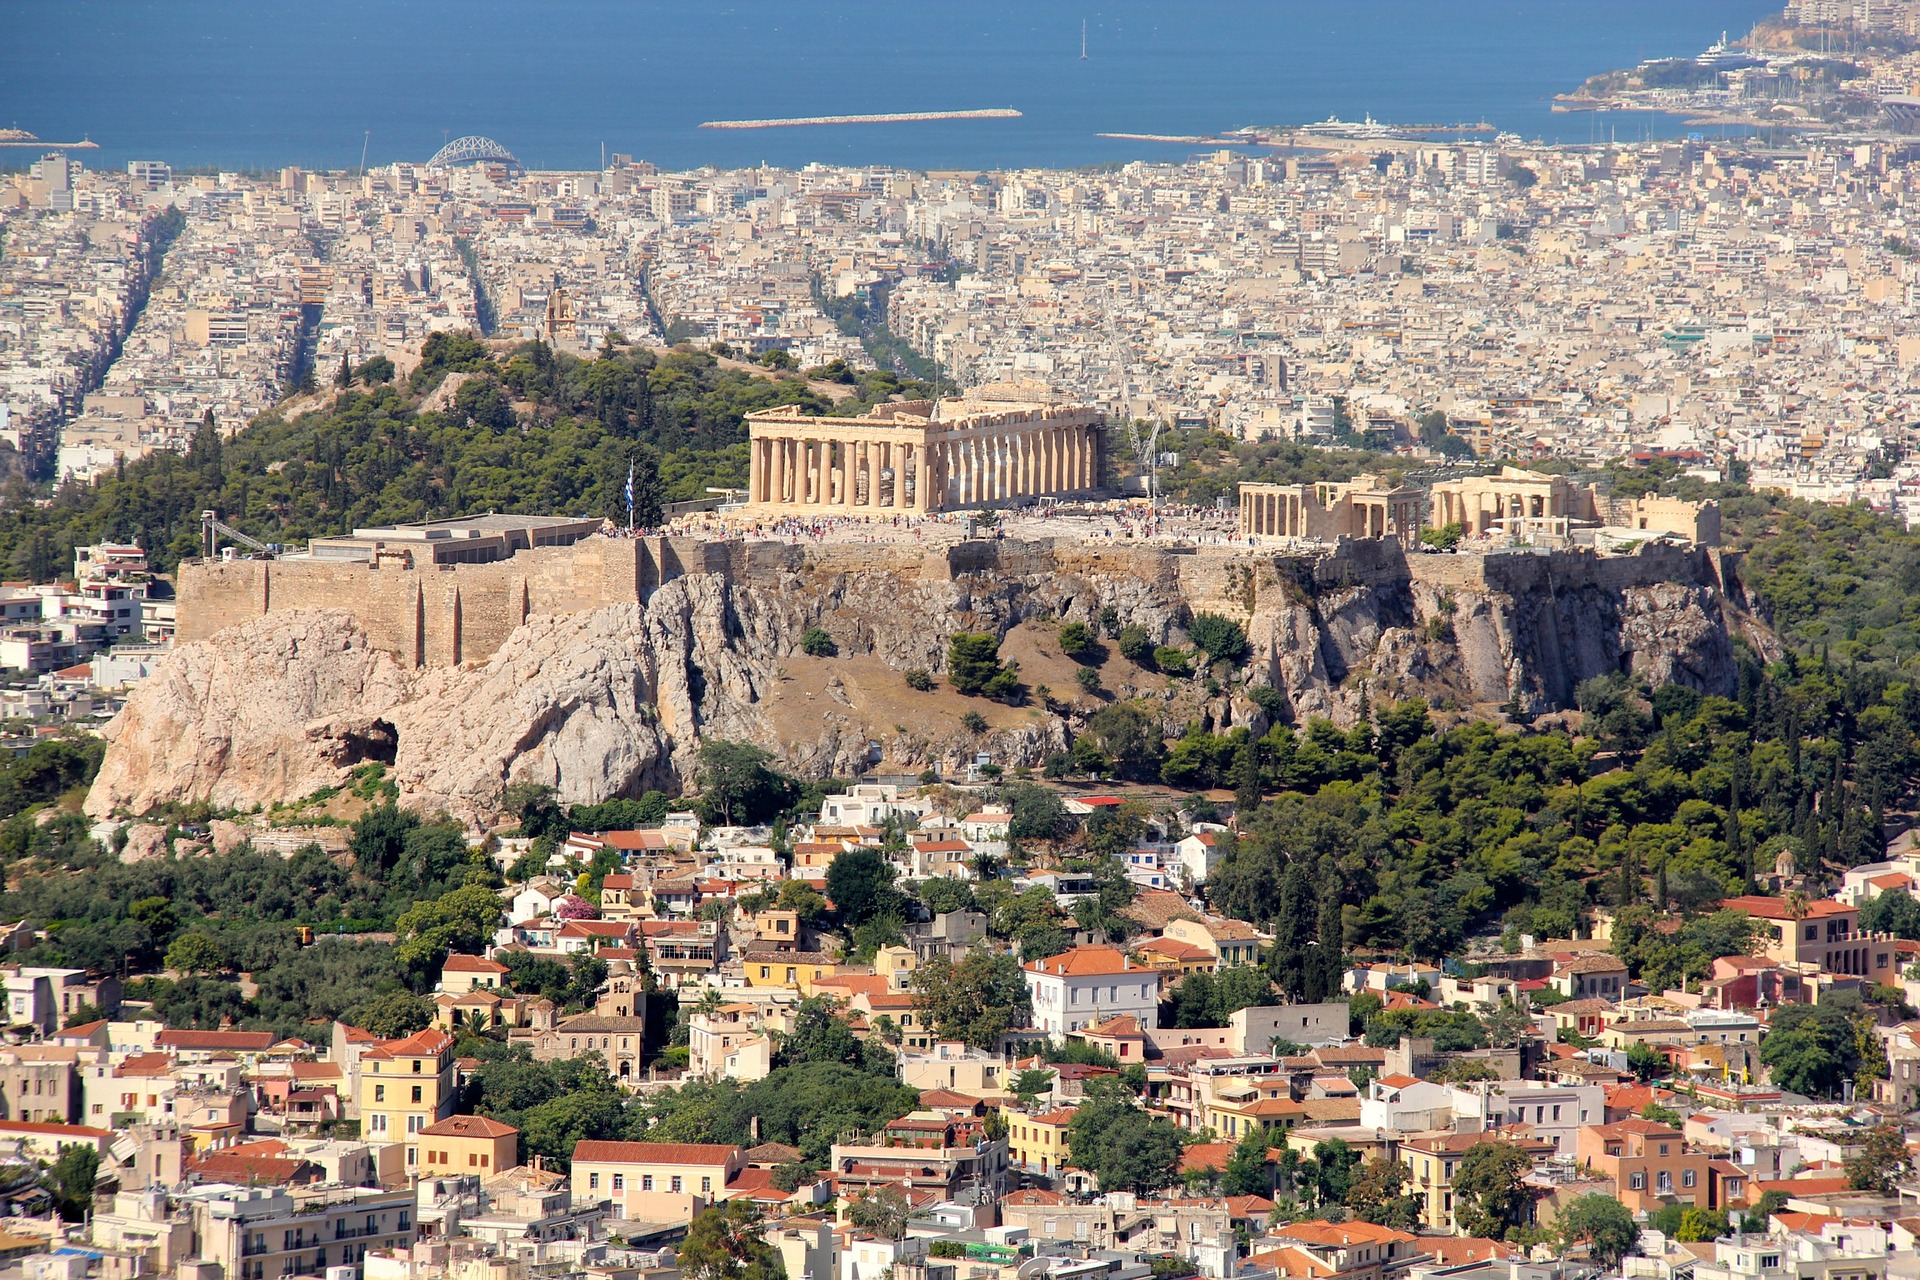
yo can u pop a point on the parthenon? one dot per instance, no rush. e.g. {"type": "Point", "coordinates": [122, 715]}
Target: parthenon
{"type": "Point", "coordinates": [921, 456]}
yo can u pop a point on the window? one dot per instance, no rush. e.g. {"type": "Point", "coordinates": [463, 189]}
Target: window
{"type": "Point", "coordinates": [674, 1185]}
{"type": "Point", "coordinates": [379, 1093]}
{"type": "Point", "coordinates": [706, 1186]}
{"type": "Point", "coordinates": [646, 1182]}
{"type": "Point", "coordinates": [619, 1182]}
{"type": "Point", "coordinates": [593, 1182]}
{"type": "Point", "coordinates": [1556, 1112]}
{"type": "Point", "coordinates": [1637, 1182]}
{"type": "Point", "coordinates": [1666, 1182]}
{"type": "Point", "coordinates": [416, 1093]}
{"type": "Point", "coordinates": [1813, 932]}
{"type": "Point", "coordinates": [1687, 1177]}
{"type": "Point", "coordinates": [416, 1123]}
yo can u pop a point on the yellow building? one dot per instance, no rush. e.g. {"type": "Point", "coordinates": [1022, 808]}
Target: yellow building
{"type": "Point", "coordinates": [1038, 1142]}
{"type": "Point", "coordinates": [1233, 1114]}
{"type": "Point", "coordinates": [652, 1181]}
{"type": "Point", "coordinates": [794, 970]}
{"type": "Point", "coordinates": [405, 1086]}
{"type": "Point", "coordinates": [1231, 942]}
{"type": "Point", "coordinates": [464, 1145]}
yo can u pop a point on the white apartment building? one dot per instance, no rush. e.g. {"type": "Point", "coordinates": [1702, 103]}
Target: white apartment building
{"type": "Point", "coordinates": [1091, 984]}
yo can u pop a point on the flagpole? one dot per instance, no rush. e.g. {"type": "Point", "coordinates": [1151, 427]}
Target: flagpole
{"type": "Point", "coordinates": [629, 495]}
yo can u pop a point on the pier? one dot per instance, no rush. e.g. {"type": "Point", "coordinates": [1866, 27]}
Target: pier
{"type": "Point", "coordinates": [887, 117]}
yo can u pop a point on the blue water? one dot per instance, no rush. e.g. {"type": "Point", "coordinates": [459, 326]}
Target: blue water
{"type": "Point", "coordinates": [263, 83]}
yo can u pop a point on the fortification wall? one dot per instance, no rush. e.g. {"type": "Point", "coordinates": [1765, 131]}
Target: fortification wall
{"type": "Point", "coordinates": [445, 615]}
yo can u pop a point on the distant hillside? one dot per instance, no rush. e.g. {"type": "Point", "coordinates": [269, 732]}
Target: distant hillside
{"type": "Point", "coordinates": [528, 429]}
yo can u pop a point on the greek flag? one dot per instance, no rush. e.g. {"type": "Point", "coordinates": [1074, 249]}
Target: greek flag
{"type": "Point", "coordinates": [629, 493]}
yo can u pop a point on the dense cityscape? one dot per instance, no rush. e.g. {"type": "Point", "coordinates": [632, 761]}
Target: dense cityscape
{"type": "Point", "coordinates": [1342, 707]}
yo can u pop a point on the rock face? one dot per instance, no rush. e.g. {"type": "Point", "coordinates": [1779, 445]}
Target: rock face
{"type": "Point", "coordinates": [242, 720]}
{"type": "Point", "coordinates": [616, 700]}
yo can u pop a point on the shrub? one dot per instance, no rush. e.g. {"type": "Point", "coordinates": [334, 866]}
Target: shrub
{"type": "Point", "coordinates": [816, 643]}
{"type": "Point", "coordinates": [1088, 679]}
{"type": "Point", "coordinates": [1173, 661]}
{"type": "Point", "coordinates": [919, 679]}
{"type": "Point", "coordinates": [973, 722]}
{"type": "Point", "coordinates": [1077, 641]}
{"type": "Point", "coordinates": [973, 662]}
{"type": "Point", "coordinates": [1136, 646]}
{"type": "Point", "coordinates": [1223, 639]}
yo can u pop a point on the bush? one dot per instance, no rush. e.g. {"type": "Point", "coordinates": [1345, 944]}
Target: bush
{"type": "Point", "coordinates": [1173, 661]}
{"type": "Point", "coordinates": [1088, 679]}
{"type": "Point", "coordinates": [816, 643]}
{"type": "Point", "coordinates": [919, 679]}
{"type": "Point", "coordinates": [1136, 646]}
{"type": "Point", "coordinates": [973, 722]}
{"type": "Point", "coordinates": [973, 662]}
{"type": "Point", "coordinates": [1223, 639]}
{"type": "Point", "coordinates": [1078, 642]}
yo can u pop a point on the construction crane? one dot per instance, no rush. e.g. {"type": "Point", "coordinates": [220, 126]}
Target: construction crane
{"type": "Point", "coordinates": [213, 528]}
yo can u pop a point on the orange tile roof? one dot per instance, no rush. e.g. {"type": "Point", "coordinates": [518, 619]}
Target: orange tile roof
{"type": "Point", "coordinates": [468, 1127]}
{"type": "Point", "coordinates": [1082, 962]}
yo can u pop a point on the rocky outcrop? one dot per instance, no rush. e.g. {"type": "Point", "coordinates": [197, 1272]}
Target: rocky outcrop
{"type": "Point", "coordinates": [244, 719]}
{"type": "Point", "coordinates": [617, 700]}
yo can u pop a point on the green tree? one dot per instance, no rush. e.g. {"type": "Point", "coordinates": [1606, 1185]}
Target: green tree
{"type": "Point", "coordinates": [974, 667]}
{"type": "Point", "coordinates": [1880, 1163]}
{"type": "Point", "coordinates": [71, 1180]}
{"type": "Point", "coordinates": [1136, 646]}
{"type": "Point", "coordinates": [196, 952]}
{"type": "Point", "coordinates": [393, 1015]}
{"type": "Point", "coordinates": [1489, 1198]}
{"type": "Point", "coordinates": [882, 1212]}
{"type": "Point", "coordinates": [736, 785]}
{"type": "Point", "coordinates": [1078, 641]}
{"type": "Point", "coordinates": [725, 1242]}
{"type": "Point", "coordinates": [1602, 1224]}
{"type": "Point", "coordinates": [1038, 813]}
{"type": "Point", "coordinates": [816, 643]}
{"type": "Point", "coordinates": [1647, 1063]}
{"type": "Point", "coordinates": [860, 883]}
{"type": "Point", "coordinates": [1220, 637]}
{"type": "Point", "coordinates": [1249, 1172]}
{"type": "Point", "coordinates": [1810, 1049]}
{"type": "Point", "coordinates": [1378, 1194]}
{"type": "Point", "coordinates": [977, 1000]}
{"type": "Point", "coordinates": [463, 920]}
{"type": "Point", "coordinates": [1123, 1147]}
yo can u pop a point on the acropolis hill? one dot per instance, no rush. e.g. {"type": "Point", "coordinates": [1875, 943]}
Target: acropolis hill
{"type": "Point", "coordinates": [474, 653]}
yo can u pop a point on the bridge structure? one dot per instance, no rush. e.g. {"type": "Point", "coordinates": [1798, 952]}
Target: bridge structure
{"type": "Point", "coordinates": [472, 149]}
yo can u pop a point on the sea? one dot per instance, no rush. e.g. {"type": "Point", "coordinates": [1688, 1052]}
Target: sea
{"type": "Point", "coordinates": [329, 84]}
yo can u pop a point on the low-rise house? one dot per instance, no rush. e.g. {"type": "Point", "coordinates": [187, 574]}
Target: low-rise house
{"type": "Point", "coordinates": [1091, 984]}
{"type": "Point", "coordinates": [1323, 1250]}
{"type": "Point", "coordinates": [618, 1041]}
{"type": "Point", "coordinates": [467, 1146]}
{"type": "Point", "coordinates": [1590, 976]}
{"type": "Point", "coordinates": [949, 1064]}
{"type": "Point", "coordinates": [461, 974]}
{"type": "Point", "coordinates": [663, 1182]}
{"type": "Point", "coordinates": [1649, 1163]}
{"type": "Point", "coordinates": [1233, 942]}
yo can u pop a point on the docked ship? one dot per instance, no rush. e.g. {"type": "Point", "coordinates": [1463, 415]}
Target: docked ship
{"type": "Point", "coordinates": [1334, 127]}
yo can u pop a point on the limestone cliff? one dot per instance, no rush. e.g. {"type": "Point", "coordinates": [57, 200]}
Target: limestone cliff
{"type": "Point", "coordinates": [616, 699]}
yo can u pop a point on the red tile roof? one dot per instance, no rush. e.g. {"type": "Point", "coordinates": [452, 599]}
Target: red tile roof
{"type": "Point", "coordinates": [233, 1041]}
{"type": "Point", "coordinates": [653, 1152]}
